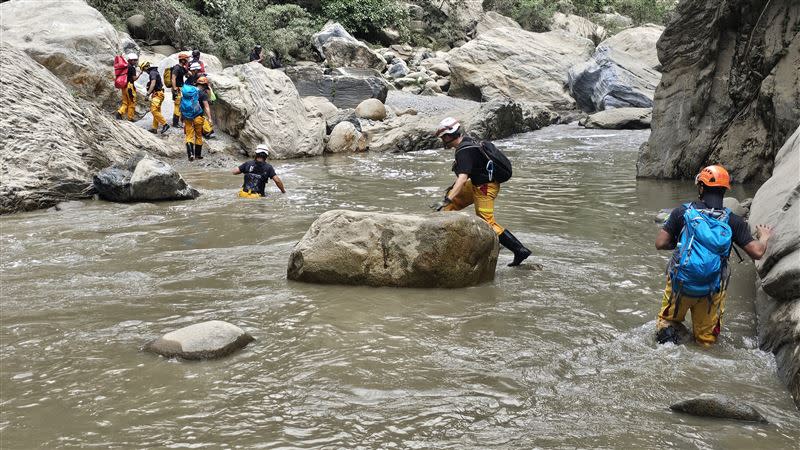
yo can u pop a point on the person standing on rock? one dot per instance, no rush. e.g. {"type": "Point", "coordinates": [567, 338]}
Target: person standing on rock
{"type": "Point", "coordinates": [474, 184]}
{"type": "Point", "coordinates": [128, 107]}
{"type": "Point", "coordinates": [155, 90]}
{"type": "Point", "coordinates": [196, 59]}
{"type": "Point", "coordinates": [195, 111]}
{"type": "Point", "coordinates": [256, 175]}
{"type": "Point", "coordinates": [178, 73]}
{"type": "Point", "coordinates": [257, 54]}
{"type": "Point", "coordinates": [701, 233]}
{"type": "Point", "coordinates": [196, 71]}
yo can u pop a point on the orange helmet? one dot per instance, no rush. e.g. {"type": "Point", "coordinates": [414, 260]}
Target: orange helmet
{"type": "Point", "coordinates": [182, 56]}
{"type": "Point", "coordinates": [204, 80]}
{"type": "Point", "coordinates": [715, 176]}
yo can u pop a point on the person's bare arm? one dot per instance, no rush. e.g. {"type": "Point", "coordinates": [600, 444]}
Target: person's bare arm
{"type": "Point", "coordinates": [236, 171]}
{"type": "Point", "coordinates": [664, 241]}
{"type": "Point", "coordinates": [150, 88]}
{"type": "Point", "coordinates": [457, 186]}
{"type": "Point", "coordinates": [279, 183]}
{"type": "Point", "coordinates": [207, 109]}
{"type": "Point", "coordinates": [756, 249]}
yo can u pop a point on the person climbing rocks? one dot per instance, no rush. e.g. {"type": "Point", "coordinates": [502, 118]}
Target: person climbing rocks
{"type": "Point", "coordinates": [700, 234]}
{"type": "Point", "coordinates": [128, 107]}
{"type": "Point", "coordinates": [474, 184]}
{"type": "Point", "coordinates": [257, 54]}
{"type": "Point", "coordinates": [195, 111]}
{"type": "Point", "coordinates": [275, 60]}
{"type": "Point", "coordinates": [178, 73]}
{"type": "Point", "coordinates": [155, 90]}
{"type": "Point", "coordinates": [257, 173]}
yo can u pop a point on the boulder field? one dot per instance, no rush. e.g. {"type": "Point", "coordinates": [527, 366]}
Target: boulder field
{"type": "Point", "coordinates": [445, 250]}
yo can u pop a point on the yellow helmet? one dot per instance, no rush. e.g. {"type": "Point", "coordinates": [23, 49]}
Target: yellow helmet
{"type": "Point", "coordinates": [144, 65]}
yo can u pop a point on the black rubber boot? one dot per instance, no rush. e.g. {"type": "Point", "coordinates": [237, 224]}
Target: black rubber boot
{"type": "Point", "coordinates": [175, 121]}
{"type": "Point", "coordinates": [509, 241]}
{"type": "Point", "coordinates": [198, 151]}
{"type": "Point", "coordinates": [190, 151]}
{"type": "Point", "coordinates": [164, 128]}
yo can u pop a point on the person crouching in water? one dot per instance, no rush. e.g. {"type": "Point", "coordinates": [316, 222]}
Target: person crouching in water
{"type": "Point", "coordinates": [701, 233]}
{"type": "Point", "coordinates": [195, 111]}
{"type": "Point", "coordinates": [473, 186]}
{"type": "Point", "coordinates": [256, 175]}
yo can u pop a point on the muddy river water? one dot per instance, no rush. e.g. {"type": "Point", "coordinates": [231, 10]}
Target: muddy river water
{"type": "Point", "coordinates": [561, 357]}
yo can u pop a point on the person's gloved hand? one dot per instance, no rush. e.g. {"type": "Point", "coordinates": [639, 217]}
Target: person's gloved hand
{"type": "Point", "coordinates": [438, 206]}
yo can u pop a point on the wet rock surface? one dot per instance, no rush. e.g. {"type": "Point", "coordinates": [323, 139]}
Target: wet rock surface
{"type": "Point", "coordinates": [403, 250]}
{"type": "Point", "coordinates": [142, 178]}
{"type": "Point", "coordinates": [205, 340]}
{"type": "Point", "coordinates": [720, 407]}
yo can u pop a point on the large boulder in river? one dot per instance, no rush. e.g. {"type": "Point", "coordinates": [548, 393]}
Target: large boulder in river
{"type": "Point", "coordinates": [340, 49]}
{"type": "Point", "coordinates": [403, 250]}
{"type": "Point", "coordinates": [345, 88]}
{"type": "Point", "coordinates": [142, 178]}
{"type": "Point", "coordinates": [720, 407]}
{"type": "Point", "coordinates": [730, 89]}
{"type": "Point", "coordinates": [345, 138]}
{"type": "Point", "coordinates": [623, 72]}
{"type": "Point", "coordinates": [514, 63]}
{"type": "Point", "coordinates": [777, 203]}
{"type": "Point", "coordinates": [620, 119]}
{"type": "Point", "coordinates": [258, 105]}
{"type": "Point", "coordinates": [71, 39]}
{"type": "Point", "coordinates": [205, 340]}
{"type": "Point", "coordinates": [52, 141]}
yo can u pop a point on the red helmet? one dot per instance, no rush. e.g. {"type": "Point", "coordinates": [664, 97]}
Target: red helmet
{"type": "Point", "coordinates": [714, 176]}
{"type": "Point", "coordinates": [202, 80]}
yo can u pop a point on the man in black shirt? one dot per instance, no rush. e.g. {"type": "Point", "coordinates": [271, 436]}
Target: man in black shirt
{"type": "Point", "coordinates": [179, 71]}
{"type": "Point", "coordinates": [712, 182]}
{"type": "Point", "coordinates": [155, 90]}
{"type": "Point", "coordinates": [472, 185]}
{"type": "Point", "coordinates": [256, 175]}
{"type": "Point", "coordinates": [257, 54]}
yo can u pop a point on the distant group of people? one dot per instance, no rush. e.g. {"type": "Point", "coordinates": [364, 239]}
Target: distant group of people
{"type": "Point", "coordinates": [700, 233]}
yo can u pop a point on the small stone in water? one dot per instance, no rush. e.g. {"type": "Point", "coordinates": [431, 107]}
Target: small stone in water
{"type": "Point", "coordinates": [206, 340]}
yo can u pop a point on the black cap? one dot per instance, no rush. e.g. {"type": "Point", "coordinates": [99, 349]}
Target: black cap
{"type": "Point", "coordinates": [196, 53]}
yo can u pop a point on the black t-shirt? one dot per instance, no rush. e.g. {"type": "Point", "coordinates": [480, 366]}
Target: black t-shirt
{"type": "Point", "coordinates": [202, 96]}
{"type": "Point", "coordinates": [191, 80]}
{"type": "Point", "coordinates": [154, 76]}
{"type": "Point", "coordinates": [256, 175]}
{"type": "Point", "coordinates": [179, 72]}
{"type": "Point", "coordinates": [675, 223]}
{"type": "Point", "coordinates": [255, 56]}
{"type": "Point", "coordinates": [131, 73]}
{"type": "Point", "coordinates": [471, 161]}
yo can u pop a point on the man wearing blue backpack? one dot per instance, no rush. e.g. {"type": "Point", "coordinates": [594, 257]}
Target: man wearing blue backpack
{"type": "Point", "coordinates": [479, 168]}
{"type": "Point", "coordinates": [701, 234]}
{"type": "Point", "coordinates": [195, 112]}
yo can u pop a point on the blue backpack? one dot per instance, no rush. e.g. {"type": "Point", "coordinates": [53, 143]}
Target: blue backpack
{"type": "Point", "coordinates": [703, 248]}
{"type": "Point", "coordinates": [190, 102]}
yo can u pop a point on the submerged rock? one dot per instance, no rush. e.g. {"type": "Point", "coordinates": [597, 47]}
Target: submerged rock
{"type": "Point", "coordinates": [142, 178]}
{"type": "Point", "coordinates": [403, 250]}
{"type": "Point", "coordinates": [205, 340]}
{"type": "Point", "coordinates": [720, 407]}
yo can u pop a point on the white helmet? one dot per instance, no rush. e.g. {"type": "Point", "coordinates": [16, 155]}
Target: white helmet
{"type": "Point", "coordinates": [131, 56]}
{"type": "Point", "coordinates": [262, 149]}
{"type": "Point", "coordinates": [195, 66]}
{"type": "Point", "coordinates": [448, 125]}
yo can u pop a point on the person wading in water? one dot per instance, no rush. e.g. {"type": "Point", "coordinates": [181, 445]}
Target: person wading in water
{"type": "Point", "coordinates": [257, 173]}
{"type": "Point", "coordinates": [700, 233]}
{"type": "Point", "coordinates": [475, 183]}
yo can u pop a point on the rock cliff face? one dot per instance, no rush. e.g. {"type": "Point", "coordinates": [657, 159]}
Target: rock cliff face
{"type": "Point", "coordinates": [730, 89]}
{"type": "Point", "coordinates": [777, 203]}
{"type": "Point", "coordinates": [52, 143]}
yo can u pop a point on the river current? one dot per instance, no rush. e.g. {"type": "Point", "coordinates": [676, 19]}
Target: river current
{"type": "Point", "coordinates": [559, 357]}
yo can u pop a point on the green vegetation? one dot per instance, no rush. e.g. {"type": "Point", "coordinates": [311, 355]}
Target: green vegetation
{"type": "Point", "coordinates": [366, 17]}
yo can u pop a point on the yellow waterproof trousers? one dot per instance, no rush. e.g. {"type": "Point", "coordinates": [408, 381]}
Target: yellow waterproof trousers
{"type": "Point", "coordinates": [706, 314]}
{"type": "Point", "coordinates": [155, 107]}
{"type": "Point", "coordinates": [128, 107]}
{"type": "Point", "coordinates": [482, 197]}
{"type": "Point", "coordinates": [207, 127]}
{"type": "Point", "coordinates": [194, 130]}
{"type": "Point", "coordinates": [177, 101]}
{"type": "Point", "coordinates": [249, 194]}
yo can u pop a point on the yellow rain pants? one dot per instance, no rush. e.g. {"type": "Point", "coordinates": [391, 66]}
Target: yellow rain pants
{"type": "Point", "coordinates": [706, 314]}
{"type": "Point", "coordinates": [128, 107]}
{"type": "Point", "coordinates": [249, 194]}
{"type": "Point", "coordinates": [177, 101]}
{"type": "Point", "coordinates": [194, 130]}
{"type": "Point", "coordinates": [482, 197]}
{"type": "Point", "coordinates": [155, 107]}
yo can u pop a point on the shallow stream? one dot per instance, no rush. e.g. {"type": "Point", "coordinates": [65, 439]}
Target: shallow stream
{"type": "Point", "coordinates": [562, 357]}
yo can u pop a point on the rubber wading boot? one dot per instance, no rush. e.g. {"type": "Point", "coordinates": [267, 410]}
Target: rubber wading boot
{"type": "Point", "coordinates": [510, 242]}
{"type": "Point", "coordinates": [198, 151]}
{"type": "Point", "coordinates": [175, 120]}
{"type": "Point", "coordinates": [164, 128]}
{"type": "Point", "coordinates": [190, 151]}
